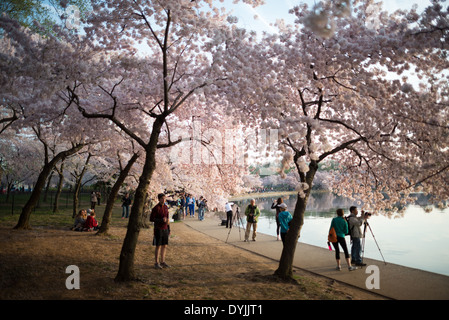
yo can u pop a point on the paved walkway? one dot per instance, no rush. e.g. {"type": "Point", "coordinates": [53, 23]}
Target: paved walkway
{"type": "Point", "coordinates": [396, 282]}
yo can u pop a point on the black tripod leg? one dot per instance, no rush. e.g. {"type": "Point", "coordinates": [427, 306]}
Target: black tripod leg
{"type": "Point", "coordinates": [376, 243]}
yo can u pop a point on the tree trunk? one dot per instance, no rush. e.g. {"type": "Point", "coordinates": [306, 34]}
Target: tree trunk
{"type": "Point", "coordinates": [59, 189]}
{"type": "Point", "coordinates": [24, 219]}
{"type": "Point", "coordinates": [126, 268]}
{"type": "Point", "coordinates": [113, 194]}
{"type": "Point", "coordinates": [285, 269]}
{"type": "Point", "coordinates": [8, 190]}
{"type": "Point", "coordinates": [78, 184]}
{"type": "Point", "coordinates": [145, 221]}
{"type": "Point", "coordinates": [47, 187]}
{"type": "Point", "coordinates": [76, 201]}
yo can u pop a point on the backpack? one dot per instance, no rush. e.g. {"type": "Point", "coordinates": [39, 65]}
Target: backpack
{"type": "Point", "coordinates": [349, 233]}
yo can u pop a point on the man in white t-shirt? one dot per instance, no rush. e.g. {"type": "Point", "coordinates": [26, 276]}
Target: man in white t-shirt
{"type": "Point", "coordinates": [228, 209]}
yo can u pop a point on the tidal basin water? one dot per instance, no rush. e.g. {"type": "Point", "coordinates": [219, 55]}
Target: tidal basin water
{"type": "Point", "coordinates": [418, 239]}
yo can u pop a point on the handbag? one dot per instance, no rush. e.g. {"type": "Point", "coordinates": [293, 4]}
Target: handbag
{"type": "Point", "coordinates": [332, 237]}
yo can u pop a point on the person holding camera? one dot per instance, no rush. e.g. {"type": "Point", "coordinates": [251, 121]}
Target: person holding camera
{"type": "Point", "coordinates": [355, 231]}
{"type": "Point", "coordinates": [252, 214]}
{"type": "Point", "coordinates": [277, 205]}
{"type": "Point", "coordinates": [229, 213]}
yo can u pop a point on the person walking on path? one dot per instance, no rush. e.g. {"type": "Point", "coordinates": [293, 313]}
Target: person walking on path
{"type": "Point", "coordinates": [284, 220]}
{"type": "Point", "coordinates": [356, 234]}
{"type": "Point", "coordinates": [228, 209]}
{"type": "Point", "coordinates": [126, 202]}
{"type": "Point", "coordinates": [341, 229]}
{"type": "Point", "coordinates": [252, 214]}
{"type": "Point", "coordinates": [276, 205]}
{"type": "Point", "coordinates": [160, 217]}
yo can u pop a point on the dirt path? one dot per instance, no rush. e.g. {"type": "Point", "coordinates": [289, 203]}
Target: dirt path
{"type": "Point", "coordinates": [33, 264]}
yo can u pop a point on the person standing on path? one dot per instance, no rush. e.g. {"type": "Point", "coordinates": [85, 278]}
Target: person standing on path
{"type": "Point", "coordinates": [99, 198]}
{"type": "Point", "coordinates": [276, 205]}
{"type": "Point", "coordinates": [284, 220]}
{"type": "Point", "coordinates": [202, 204]}
{"type": "Point", "coordinates": [160, 217]}
{"type": "Point", "coordinates": [341, 229]}
{"type": "Point", "coordinates": [192, 206]}
{"type": "Point", "coordinates": [126, 202]}
{"type": "Point", "coordinates": [93, 199]}
{"type": "Point", "coordinates": [183, 205]}
{"type": "Point", "coordinates": [229, 212]}
{"type": "Point", "coordinates": [252, 214]}
{"type": "Point", "coordinates": [356, 234]}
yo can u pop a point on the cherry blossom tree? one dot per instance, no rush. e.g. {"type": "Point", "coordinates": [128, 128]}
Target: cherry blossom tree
{"type": "Point", "coordinates": [60, 171]}
{"type": "Point", "coordinates": [35, 72]}
{"type": "Point", "coordinates": [126, 150]}
{"type": "Point", "coordinates": [348, 96]}
{"type": "Point", "coordinates": [141, 95]}
{"type": "Point", "coordinates": [20, 158]}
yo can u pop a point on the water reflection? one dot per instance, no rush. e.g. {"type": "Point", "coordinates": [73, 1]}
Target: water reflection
{"type": "Point", "coordinates": [320, 204]}
{"type": "Point", "coordinates": [417, 238]}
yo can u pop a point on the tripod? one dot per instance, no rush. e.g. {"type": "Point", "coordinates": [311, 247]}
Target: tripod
{"type": "Point", "coordinates": [363, 241]}
{"type": "Point", "coordinates": [239, 221]}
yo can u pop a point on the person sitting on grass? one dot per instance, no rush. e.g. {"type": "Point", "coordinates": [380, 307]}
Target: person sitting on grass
{"type": "Point", "coordinates": [91, 223]}
{"type": "Point", "coordinates": [79, 220]}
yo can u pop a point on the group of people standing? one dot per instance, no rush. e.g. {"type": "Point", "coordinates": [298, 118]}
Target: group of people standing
{"type": "Point", "coordinates": [187, 204]}
{"type": "Point", "coordinates": [252, 213]}
{"type": "Point", "coordinates": [339, 228]}
{"type": "Point", "coordinates": [342, 226]}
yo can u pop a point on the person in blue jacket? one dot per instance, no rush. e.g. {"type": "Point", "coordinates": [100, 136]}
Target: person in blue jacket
{"type": "Point", "coordinates": [284, 218]}
{"type": "Point", "coordinates": [341, 229]}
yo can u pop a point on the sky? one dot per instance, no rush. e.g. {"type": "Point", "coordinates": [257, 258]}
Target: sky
{"type": "Point", "coordinates": [278, 9]}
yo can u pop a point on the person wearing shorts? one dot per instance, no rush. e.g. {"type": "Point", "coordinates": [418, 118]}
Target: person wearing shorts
{"type": "Point", "coordinates": [160, 217]}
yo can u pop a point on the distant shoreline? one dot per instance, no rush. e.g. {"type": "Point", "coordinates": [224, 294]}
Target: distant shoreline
{"type": "Point", "coordinates": [262, 195]}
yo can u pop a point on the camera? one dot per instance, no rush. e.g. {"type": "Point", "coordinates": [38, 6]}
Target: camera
{"type": "Point", "coordinates": [367, 214]}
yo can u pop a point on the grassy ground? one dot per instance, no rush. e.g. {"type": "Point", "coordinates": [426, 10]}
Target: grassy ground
{"type": "Point", "coordinates": [33, 265]}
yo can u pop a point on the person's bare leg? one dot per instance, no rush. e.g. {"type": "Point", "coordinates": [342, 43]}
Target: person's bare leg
{"type": "Point", "coordinates": [348, 261]}
{"type": "Point", "coordinates": [163, 251]}
{"type": "Point", "coordinates": [156, 254]}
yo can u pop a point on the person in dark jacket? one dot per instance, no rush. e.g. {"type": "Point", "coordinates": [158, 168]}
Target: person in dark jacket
{"type": "Point", "coordinates": [126, 202]}
{"type": "Point", "coordinates": [276, 205]}
{"type": "Point", "coordinates": [160, 217]}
